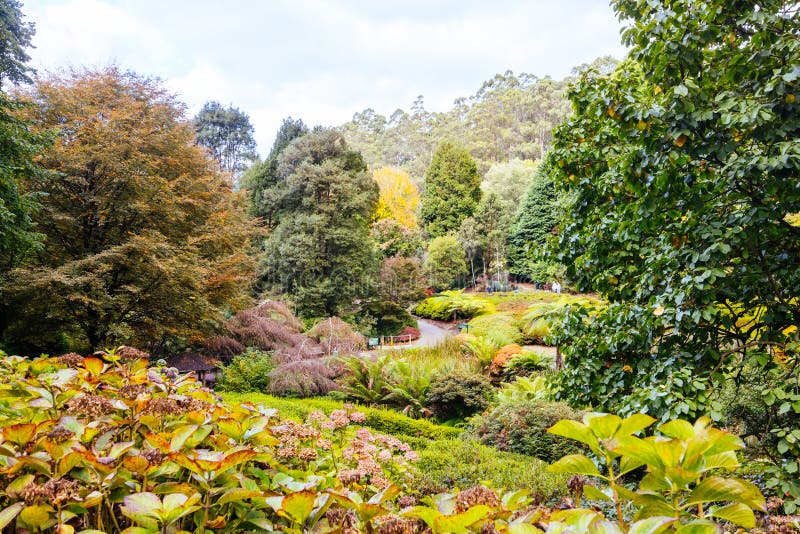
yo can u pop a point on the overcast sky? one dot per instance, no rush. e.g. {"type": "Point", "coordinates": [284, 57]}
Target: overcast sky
{"type": "Point", "coordinates": [322, 60]}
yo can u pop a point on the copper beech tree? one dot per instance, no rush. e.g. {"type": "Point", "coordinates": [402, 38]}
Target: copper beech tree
{"type": "Point", "coordinates": [145, 241]}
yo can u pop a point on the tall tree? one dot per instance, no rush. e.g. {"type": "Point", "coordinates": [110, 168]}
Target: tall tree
{"type": "Point", "coordinates": [444, 262]}
{"type": "Point", "coordinates": [491, 223]}
{"type": "Point", "coordinates": [262, 182]}
{"type": "Point", "coordinates": [452, 190]}
{"type": "Point", "coordinates": [531, 227]}
{"type": "Point", "coordinates": [18, 144]}
{"type": "Point", "coordinates": [320, 251]}
{"type": "Point", "coordinates": [15, 39]}
{"type": "Point", "coordinates": [228, 136]}
{"type": "Point", "coordinates": [684, 163]}
{"type": "Point", "coordinates": [144, 239]}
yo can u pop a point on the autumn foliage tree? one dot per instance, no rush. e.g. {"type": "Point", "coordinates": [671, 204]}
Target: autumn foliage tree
{"type": "Point", "coordinates": [399, 197]}
{"type": "Point", "coordinates": [145, 242]}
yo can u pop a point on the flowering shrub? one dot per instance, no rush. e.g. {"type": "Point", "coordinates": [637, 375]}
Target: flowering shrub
{"type": "Point", "coordinates": [102, 444]}
{"type": "Point", "coordinates": [106, 444]}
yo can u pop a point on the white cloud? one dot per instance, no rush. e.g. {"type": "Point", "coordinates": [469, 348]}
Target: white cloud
{"type": "Point", "coordinates": [323, 60]}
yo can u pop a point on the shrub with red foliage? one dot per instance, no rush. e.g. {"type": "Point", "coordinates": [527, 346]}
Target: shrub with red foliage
{"type": "Point", "coordinates": [412, 333]}
{"type": "Point", "coordinates": [271, 327]}
{"type": "Point", "coordinates": [304, 378]}
{"type": "Point", "coordinates": [301, 366]}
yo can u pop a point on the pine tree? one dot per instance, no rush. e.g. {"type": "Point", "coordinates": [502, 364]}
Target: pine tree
{"type": "Point", "coordinates": [531, 227]}
{"type": "Point", "coordinates": [261, 180]}
{"type": "Point", "coordinates": [452, 190]}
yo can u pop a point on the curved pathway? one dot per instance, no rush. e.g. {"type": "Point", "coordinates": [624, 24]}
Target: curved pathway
{"type": "Point", "coordinates": [431, 333]}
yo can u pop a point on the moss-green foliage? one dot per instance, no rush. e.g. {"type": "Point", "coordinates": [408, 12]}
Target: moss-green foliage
{"type": "Point", "coordinates": [499, 328]}
{"type": "Point", "coordinates": [389, 317]}
{"type": "Point", "coordinates": [387, 421]}
{"type": "Point", "coordinates": [247, 372]}
{"type": "Point", "coordinates": [457, 395]}
{"type": "Point", "coordinates": [521, 427]}
{"type": "Point", "coordinates": [446, 357]}
{"type": "Point", "coordinates": [529, 362]}
{"type": "Point", "coordinates": [464, 463]}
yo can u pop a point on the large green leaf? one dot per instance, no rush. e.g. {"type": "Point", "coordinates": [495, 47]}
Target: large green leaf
{"type": "Point", "coordinates": [700, 526]}
{"type": "Point", "coordinates": [737, 513]}
{"type": "Point", "coordinates": [634, 423]}
{"type": "Point", "coordinates": [298, 506]}
{"type": "Point", "coordinates": [641, 450]}
{"type": "Point", "coordinates": [591, 492]}
{"type": "Point", "coordinates": [177, 505]}
{"type": "Point", "coordinates": [727, 490]}
{"type": "Point", "coordinates": [575, 430]}
{"type": "Point", "coordinates": [603, 425]}
{"type": "Point", "coordinates": [143, 508]}
{"type": "Point", "coordinates": [523, 528]}
{"type": "Point", "coordinates": [41, 516]}
{"type": "Point", "coordinates": [577, 464]}
{"type": "Point", "coordinates": [460, 523]}
{"type": "Point", "coordinates": [677, 428]}
{"type": "Point", "coordinates": [606, 527]}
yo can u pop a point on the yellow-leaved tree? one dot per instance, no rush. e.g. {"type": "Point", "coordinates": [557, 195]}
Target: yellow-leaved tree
{"type": "Point", "coordinates": [399, 198]}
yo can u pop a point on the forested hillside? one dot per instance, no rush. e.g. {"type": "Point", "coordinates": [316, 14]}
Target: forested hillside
{"type": "Point", "coordinates": [510, 116]}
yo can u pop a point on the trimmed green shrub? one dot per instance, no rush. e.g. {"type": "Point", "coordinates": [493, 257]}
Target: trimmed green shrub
{"type": "Point", "coordinates": [464, 463]}
{"type": "Point", "coordinates": [499, 328]}
{"type": "Point", "coordinates": [248, 371]}
{"type": "Point", "coordinates": [457, 396]}
{"type": "Point", "coordinates": [521, 427]}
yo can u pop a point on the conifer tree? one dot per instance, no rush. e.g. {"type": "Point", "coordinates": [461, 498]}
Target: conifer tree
{"type": "Point", "coordinates": [452, 190]}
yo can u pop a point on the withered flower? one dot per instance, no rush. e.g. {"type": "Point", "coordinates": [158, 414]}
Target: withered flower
{"type": "Point", "coordinates": [475, 496]}
{"type": "Point", "coordinates": [90, 406]}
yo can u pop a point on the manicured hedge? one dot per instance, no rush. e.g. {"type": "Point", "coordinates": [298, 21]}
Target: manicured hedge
{"type": "Point", "coordinates": [387, 421]}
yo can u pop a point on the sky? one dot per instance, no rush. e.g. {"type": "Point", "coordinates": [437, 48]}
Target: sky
{"type": "Point", "coordinates": [320, 60]}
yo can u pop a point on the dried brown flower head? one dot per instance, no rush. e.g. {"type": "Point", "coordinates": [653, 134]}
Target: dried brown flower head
{"type": "Point", "coordinates": [162, 406]}
{"type": "Point", "coordinates": [129, 354]}
{"type": "Point", "coordinates": [73, 359]}
{"type": "Point", "coordinates": [475, 496]}
{"type": "Point", "coordinates": [392, 524]}
{"type": "Point", "coordinates": [131, 391]}
{"type": "Point", "coordinates": [90, 406]}
{"type": "Point", "coordinates": [54, 491]}
{"type": "Point", "coordinates": [153, 456]}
